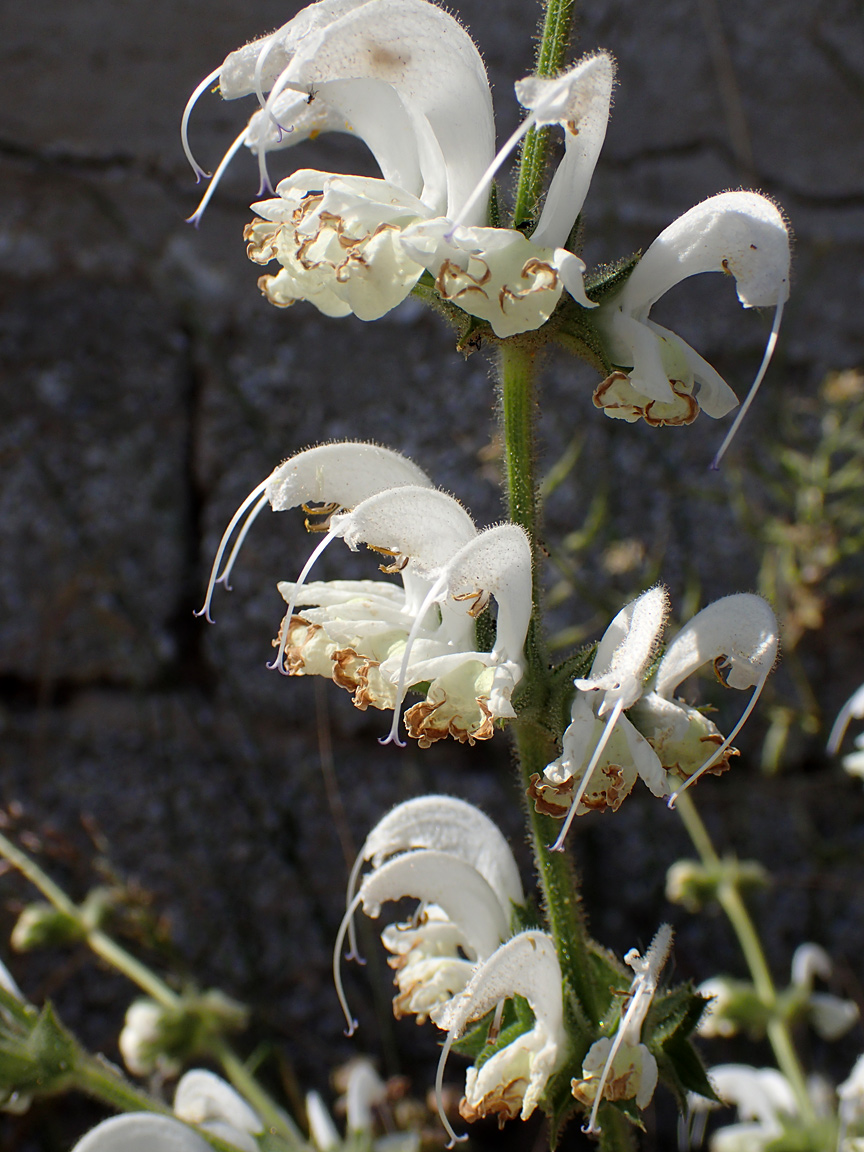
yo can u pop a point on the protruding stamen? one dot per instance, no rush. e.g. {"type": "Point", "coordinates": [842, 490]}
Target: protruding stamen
{"type": "Point", "coordinates": [277, 662]}
{"type": "Point", "coordinates": [558, 846]}
{"type": "Point", "coordinates": [754, 387]}
{"type": "Point", "coordinates": [259, 69]}
{"type": "Point", "coordinates": [184, 123]}
{"type": "Point", "coordinates": [223, 544]}
{"type": "Point", "coordinates": [853, 709]}
{"type": "Point", "coordinates": [439, 1094]}
{"type": "Point", "coordinates": [432, 595]}
{"type": "Point", "coordinates": [195, 218]}
{"type": "Point", "coordinates": [225, 575]}
{"type": "Point", "coordinates": [337, 964]}
{"type": "Point", "coordinates": [353, 952]}
{"type": "Point", "coordinates": [721, 748]}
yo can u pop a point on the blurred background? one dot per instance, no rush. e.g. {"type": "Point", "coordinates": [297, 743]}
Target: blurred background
{"type": "Point", "coordinates": [147, 388]}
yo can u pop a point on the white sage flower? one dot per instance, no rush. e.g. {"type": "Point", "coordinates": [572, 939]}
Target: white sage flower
{"type": "Point", "coordinates": [665, 381]}
{"type": "Point", "coordinates": [202, 1099]}
{"type": "Point", "coordinates": [740, 636]}
{"type": "Point", "coordinates": [667, 740]}
{"type": "Point", "coordinates": [621, 1067]}
{"type": "Point", "coordinates": [602, 752]}
{"type": "Point", "coordinates": [142, 1040]}
{"type": "Point", "coordinates": [765, 1103]}
{"type": "Point", "coordinates": [376, 638]}
{"type": "Point", "coordinates": [512, 1081]}
{"type": "Point", "coordinates": [405, 77]}
{"type": "Point", "coordinates": [831, 1016]}
{"type": "Point", "coordinates": [468, 906]}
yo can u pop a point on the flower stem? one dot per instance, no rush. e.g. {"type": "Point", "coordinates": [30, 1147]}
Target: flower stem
{"type": "Point", "coordinates": [732, 903]}
{"type": "Point", "coordinates": [551, 54]}
{"type": "Point", "coordinates": [154, 986]}
{"type": "Point", "coordinates": [534, 748]}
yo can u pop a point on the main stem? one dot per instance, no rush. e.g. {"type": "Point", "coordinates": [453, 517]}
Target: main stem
{"type": "Point", "coordinates": [730, 900]}
{"type": "Point", "coordinates": [517, 377]}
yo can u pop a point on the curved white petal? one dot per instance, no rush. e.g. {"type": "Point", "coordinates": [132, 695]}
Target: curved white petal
{"type": "Point", "coordinates": [324, 1133]}
{"type": "Point", "coordinates": [527, 965]}
{"type": "Point", "coordinates": [809, 961]}
{"type": "Point", "coordinates": [579, 101]}
{"type": "Point", "coordinates": [425, 57]}
{"type": "Point", "coordinates": [343, 473]}
{"type": "Point", "coordinates": [365, 1090]}
{"type": "Point", "coordinates": [715, 396]}
{"type": "Point", "coordinates": [446, 824]}
{"type": "Point", "coordinates": [741, 233]}
{"type": "Point", "coordinates": [497, 562]}
{"type": "Point", "coordinates": [423, 524]}
{"type": "Point", "coordinates": [742, 627]}
{"type": "Point", "coordinates": [443, 879]}
{"type": "Point", "coordinates": [626, 649]}
{"type": "Point", "coordinates": [141, 1132]}
{"type": "Point", "coordinates": [204, 1098]}
{"type": "Point", "coordinates": [853, 709]}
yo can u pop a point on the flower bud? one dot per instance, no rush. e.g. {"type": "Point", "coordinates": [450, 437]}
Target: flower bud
{"type": "Point", "coordinates": [158, 1038]}
{"type": "Point", "coordinates": [42, 925]}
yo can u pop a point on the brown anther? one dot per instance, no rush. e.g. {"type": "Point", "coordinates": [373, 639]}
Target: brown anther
{"type": "Point", "coordinates": [722, 668]}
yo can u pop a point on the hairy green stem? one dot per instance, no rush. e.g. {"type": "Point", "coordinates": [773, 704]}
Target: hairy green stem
{"type": "Point", "coordinates": [275, 1119]}
{"type": "Point", "coordinates": [551, 55]}
{"type": "Point", "coordinates": [732, 903]}
{"type": "Point", "coordinates": [534, 748]}
{"type": "Point", "coordinates": [558, 881]}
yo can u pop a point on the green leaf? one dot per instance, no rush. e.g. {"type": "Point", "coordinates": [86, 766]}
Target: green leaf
{"type": "Point", "coordinates": [607, 279]}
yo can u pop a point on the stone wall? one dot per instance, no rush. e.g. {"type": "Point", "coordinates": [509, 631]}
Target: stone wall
{"type": "Point", "coordinates": [147, 387]}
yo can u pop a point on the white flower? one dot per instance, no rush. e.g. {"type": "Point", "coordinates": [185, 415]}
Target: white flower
{"type": "Point", "coordinates": [142, 1039]}
{"type": "Point", "coordinates": [405, 77]}
{"type": "Point", "coordinates": [666, 381]}
{"type": "Point", "coordinates": [377, 638]}
{"type": "Point", "coordinates": [851, 1095]}
{"type": "Point", "coordinates": [764, 1099]}
{"type": "Point", "coordinates": [451, 856]}
{"type": "Point", "coordinates": [364, 1091]}
{"type": "Point", "coordinates": [621, 1067]}
{"type": "Point", "coordinates": [601, 757]}
{"type": "Point", "coordinates": [830, 1015]}
{"type": "Point", "coordinates": [201, 1099]}
{"type": "Point", "coordinates": [667, 739]}
{"type": "Point", "coordinates": [740, 636]}
{"type": "Point", "coordinates": [512, 1080]}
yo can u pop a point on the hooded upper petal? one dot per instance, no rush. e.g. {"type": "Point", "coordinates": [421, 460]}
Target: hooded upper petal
{"type": "Point", "coordinates": [401, 74]}
{"type": "Point", "coordinates": [514, 1078]}
{"type": "Point", "coordinates": [742, 629]}
{"type": "Point", "coordinates": [141, 1132]}
{"type": "Point", "coordinates": [579, 102]}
